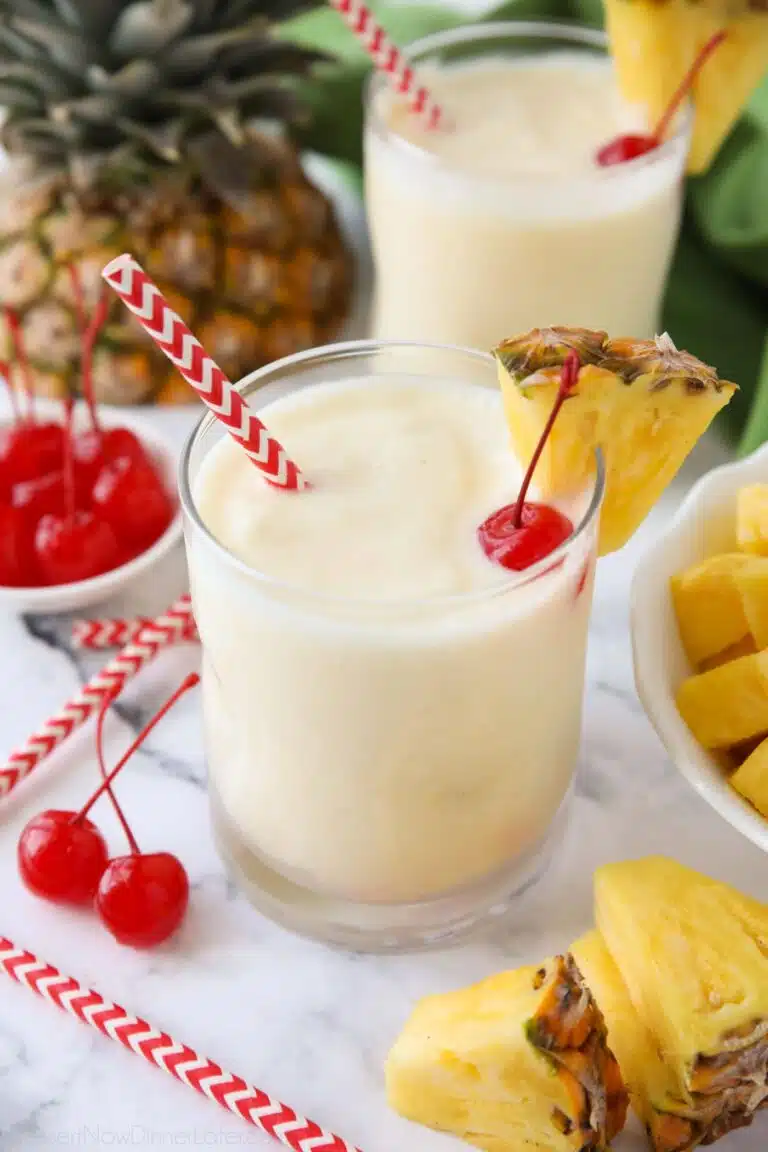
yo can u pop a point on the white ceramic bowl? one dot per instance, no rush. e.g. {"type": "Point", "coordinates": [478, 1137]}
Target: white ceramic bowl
{"type": "Point", "coordinates": [86, 593]}
{"type": "Point", "coordinates": [704, 524]}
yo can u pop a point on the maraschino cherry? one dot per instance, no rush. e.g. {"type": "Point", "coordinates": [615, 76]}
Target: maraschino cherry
{"type": "Point", "coordinates": [75, 545]}
{"type": "Point", "coordinates": [95, 446]}
{"type": "Point", "coordinates": [520, 534]}
{"type": "Point", "coordinates": [632, 145]}
{"type": "Point", "coordinates": [62, 856]}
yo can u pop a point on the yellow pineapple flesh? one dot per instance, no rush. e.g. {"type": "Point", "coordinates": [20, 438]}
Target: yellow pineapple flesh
{"type": "Point", "coordinates": [517, 1061]}
{"type": "Point", "coordinates": [744, 647]}
{"type": "Point", "coordinates": [643, 403]}
{"type": "Point", "coordinates": [655, 42]}
{"type": "Point", "coordinates": [693, 954]}
{"type": "Point", "coordinates": [709, 607]}
{"type": "Point", "coordinates": [752, 519]}
{"type": "Point", "coordinates": [727, 704]}
{"type": "Point", "coordinates": [751, 778]}
{"type": "Point", "coordinates": [752, 584]}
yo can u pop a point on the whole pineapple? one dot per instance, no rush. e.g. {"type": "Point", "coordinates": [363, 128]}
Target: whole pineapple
{"type": "Point", "coordinates": [160, 127]}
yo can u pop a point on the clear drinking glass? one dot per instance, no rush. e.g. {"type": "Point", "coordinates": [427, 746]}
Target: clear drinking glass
{"type": "Point", "coordinates": [383, 775]}
{"type": "Point", "coordinates": [469, 260]}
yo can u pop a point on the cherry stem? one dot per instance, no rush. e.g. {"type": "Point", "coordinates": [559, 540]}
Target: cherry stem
{"type": "Point", "coordinates": [22, 360]}
{"type": "Point", "coordinates": [89, 330]}
{"type": "Point", "coordinates": [569, 374]}
{"type": "Point", "coordinates": [188, 682]}
{"type": "Point", "coordinates": [69, 462]}
{"type": "Point", "coordinates": [5, 372]}
{"type": "Point", "coordinates": [686, 84]}
{"type": "Point", "coordinates": [102, 769]}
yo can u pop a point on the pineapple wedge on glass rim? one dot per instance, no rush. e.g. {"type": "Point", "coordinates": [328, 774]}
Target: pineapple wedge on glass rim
{"type": "Point", "coordinates": [642, 402]}
{"type": "Point", "coordinates": [518, 1061]}
{"type": "Point", "coordinates": [655, 42]}
{"type": "Point", "coordinates": [693, 954]}
{"type": "Point", "coordinates": [672, 1124]}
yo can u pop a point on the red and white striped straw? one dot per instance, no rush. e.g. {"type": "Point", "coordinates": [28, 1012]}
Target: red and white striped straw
{"type": "Point", "coordinates": [178, 1060]}
{"type": "Point", "coordinates": [389, 60]}
{"type": "Point", "coordinates": [162, 632]}
{"type": "Point", "coordinates": [170, 333]}
{"type": "Point", "coordinates": [115, 631]}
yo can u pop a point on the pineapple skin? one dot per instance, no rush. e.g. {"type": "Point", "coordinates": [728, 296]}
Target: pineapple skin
{"type": "Point", "coordinates": [727, 704]}
{"type": "Point", "coordinates": [651, 1086]}
{"type": "Point", "coordinates": [253, 285]}
{"type": "Point", "coordinates": [483, 1062]}
{"type": "Point", "coordinates": [693, 954]}
{"type": "Point", "coordinates": [751, 779]}
{"type": "Point", "coordinates": [642, 402]}
{"type": "Point", "coordinates": [709, 606]}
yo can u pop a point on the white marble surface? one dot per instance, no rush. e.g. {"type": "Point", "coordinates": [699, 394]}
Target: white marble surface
{"type": "Point", "coordinates": [307, 1024]}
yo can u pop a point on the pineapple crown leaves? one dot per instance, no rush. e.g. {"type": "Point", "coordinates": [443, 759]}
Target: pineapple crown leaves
{"type": "Point", "coordinates": [91, 85]}
{"type": "Point", "coordinates": [657, 360]}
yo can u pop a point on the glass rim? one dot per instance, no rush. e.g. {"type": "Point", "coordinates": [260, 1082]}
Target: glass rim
{"type": "Point", "coordinates": [257, 379]}
{"type": "Point", "coordinates": [467, 33]}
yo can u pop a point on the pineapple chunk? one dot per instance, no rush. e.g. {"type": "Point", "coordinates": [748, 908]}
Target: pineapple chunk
{"type": "Point", "coordinates": [669, 1123]}
{"type": "Point", "coordinates": [744, 647]}
{"type": "Point", "coordinates": [517, 1061]}
{"type": "Point", "coordinates": [693, 954]}
{"type": "Point", "coordinates": [751, 779]}
{"type": "Point", "coordinates": [728, 704]}
{"type": "Point", "coordinates": [752, 583]}
{"type": "Point", "coordinates": [708, 605]}
{"type": "Point", "coordinates": [643, 403]}
{"type": "Point", "coordinates": [752, 519]}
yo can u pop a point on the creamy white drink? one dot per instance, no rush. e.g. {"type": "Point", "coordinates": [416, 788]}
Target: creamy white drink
{"type": "Point", "coordinates": [389, 715]}
{"type": "Point", "coordinates": [503, 221]}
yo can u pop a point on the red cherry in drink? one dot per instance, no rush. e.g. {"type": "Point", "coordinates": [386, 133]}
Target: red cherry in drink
{"type": "Point", "coordinates": [130, 496]}
{"type": "Point", "coordinates": [632, 145]}
{"type": "Point", "coordinates": [520, 534]}
{"type": "Point", "coordinates": [29, 450]}
{"type": "Point", "coordinates": [517, 545]}
{"type": "Point", "coordinates": [17, 566]}
{"type": "Point", "coordinates": [142, 899]}
{"type": "Point", "coordinates": [76, 547]}
{"type": "Point", "coordinates": [62, 856]}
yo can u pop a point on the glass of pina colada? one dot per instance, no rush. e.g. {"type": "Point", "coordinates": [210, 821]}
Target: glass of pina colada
{"type": "Point", "coordinates": [393, 658]}
{"type": "Point", "coordinates": [502, 217]}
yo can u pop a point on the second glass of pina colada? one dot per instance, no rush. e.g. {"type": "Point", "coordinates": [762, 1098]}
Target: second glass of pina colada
{"type": "Point", "coordinates": [393, 659]}
{"type": "Point", "coordinates": [502, 219]}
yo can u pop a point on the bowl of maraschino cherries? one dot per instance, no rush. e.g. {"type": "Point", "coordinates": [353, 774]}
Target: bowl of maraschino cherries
{"type": "Point", "coordinates": [87, 497]}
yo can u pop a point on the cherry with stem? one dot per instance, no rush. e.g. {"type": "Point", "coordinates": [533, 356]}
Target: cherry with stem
{"type": "Point", "coordinates": [63, 857]}
{"type": "Point", "coordinates": [632, 145]}
{"type": "Point", "coordinates": [520, 534]}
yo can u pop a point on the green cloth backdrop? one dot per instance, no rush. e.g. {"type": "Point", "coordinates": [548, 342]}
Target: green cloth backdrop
{"type": "Point", "coordinates": [717, 299]}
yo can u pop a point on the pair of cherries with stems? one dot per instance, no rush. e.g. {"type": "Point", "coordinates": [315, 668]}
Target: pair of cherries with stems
{"type": "Point", "coordinates": [141, 898]}
{"type": "Point", "coordinates": [73, 505]}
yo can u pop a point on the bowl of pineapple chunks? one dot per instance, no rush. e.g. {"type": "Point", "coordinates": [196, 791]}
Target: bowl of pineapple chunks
{"type": "Point", "coordinates": [700, 641]}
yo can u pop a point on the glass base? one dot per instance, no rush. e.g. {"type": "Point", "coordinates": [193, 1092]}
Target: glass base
{"type": "Point", "coordinates": [380, 928]}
